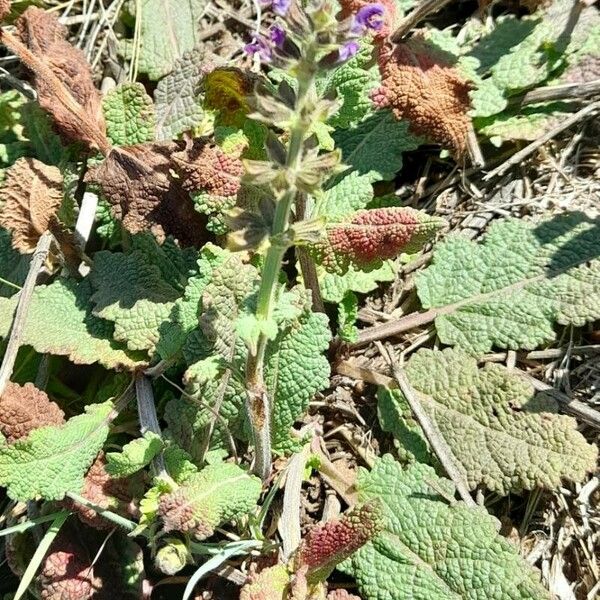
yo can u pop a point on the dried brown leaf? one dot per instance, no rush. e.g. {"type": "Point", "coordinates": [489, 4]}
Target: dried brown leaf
{"type": "Point", "coordinates": [419, 83]}
{"type": "Point", "coordinates": [4, 8]}
{"type": "Point", "coordinates": [29, 201]}
{"type": "Point", "coordinates": [25, 408]}
{"type": "Point", "coordinates": [61, 76]}
{"type": "Point", "coordinates": [146, 195]}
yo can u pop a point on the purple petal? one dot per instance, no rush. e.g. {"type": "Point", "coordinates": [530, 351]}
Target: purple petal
{"type": "Point", "coordinates": [348, 50]}
{"type": "Point", "coordinates": [277, 35]}
{"type": "Point", "coordinates": [281, 7]}
{"type": "Point", "coordinates": [259, 45]}
{"type": "Point", "coordinates": [368, 17]}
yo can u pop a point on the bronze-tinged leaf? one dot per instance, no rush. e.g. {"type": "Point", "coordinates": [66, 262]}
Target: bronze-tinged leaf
{"type": "Point", "coordinates": [61, 76]}
{"type": "Point", "coordinates": [4, 8]}
{"type": "Point", "coordinates": [102, 490]}
{"type": "Point", "coordinates": [25, 408]}
{"type": "Point", "coordinates": [419, 84]}
{"type": "Point", "coordinates": [29, 200]}
{"type": "Point", "coordinates": [146, 195]}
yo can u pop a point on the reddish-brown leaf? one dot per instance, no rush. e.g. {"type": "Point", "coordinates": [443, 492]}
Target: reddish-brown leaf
{"type": "Point", "coordinates": [4, 8]}
{"type": "Point", "coordinates": [25, 408]}
{"type": "Point", "coordinates": [29, 201]}
{"type": "Point", "coordinates": [419, 83]}
{"type": "Point", "coordinates": [104, 491]}
{"type": "Point", "coordinates": [61, 76]}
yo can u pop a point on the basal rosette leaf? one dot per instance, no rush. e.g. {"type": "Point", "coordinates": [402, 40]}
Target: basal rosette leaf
{"type": "Point", "coordinates": [504, 436]}
{"type": "Point", "coordinates": [134, 456]}
{"type": "Point", "coordinates": [369, 237]}
{"type": "Point", "coordinates": [209, 498]}
{"type": "Point", "coordinates": [510, 290]}
{"type": "Point", "coordinates": [430, 550]}
{"type": "Point", "coordinates": [60, 321]}
{"type": "Point", "coordinates": [53, 460]}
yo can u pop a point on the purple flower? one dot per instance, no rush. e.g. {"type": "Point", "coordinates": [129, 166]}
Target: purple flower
{"type": "Point", "coordinates": [368, 17]}
{"type": "Point", "coordinates": [348, 50]}
{"type": "Point", "coordinates": [259, 45]}
{"type": "Point", "coordinates": [280, 7]}
{"type": "Point", "coordinates": [277, 35]}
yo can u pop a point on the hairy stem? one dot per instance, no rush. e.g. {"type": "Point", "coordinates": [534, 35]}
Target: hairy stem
{"type": "Point", "coordinates": [259, 403]}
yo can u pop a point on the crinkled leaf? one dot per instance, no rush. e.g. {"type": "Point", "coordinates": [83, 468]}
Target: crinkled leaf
{"type": "Point", "coordinates": [429, 550]}
{"type": "Point", "coordinates": [510, 290]}
{"type": "Point", "coordinates": [348, 194]}
{"type": "Point", "coordinates": [53, 460]}
{"type": "Point", "coordinates": [374, 147]}
{"type": "Point", "coordinates": [13, 266]}
{"type": "Point", "coordinates": [129, 115]}
{"type": "Point", "coordinates": [169, 28]}
{"type": "Point", "coordinates": [177, 95]}
{"type": "Point", "coordinates": [487, 99]}
{"type": "Point", "coordinates": [29, 201]}
{"type": "Point", "coordinates": [134, 456]}
{"type": "Point", "coordinates": [209, 498]}
{"type": "Point", "coordinates": [60, 321]}
{"type": "Point", "coordinates": [131, 292]}
{"type": "Point", "coordinates": [347, 315]}
{"type": "Point", "coordinates": [505, 436]}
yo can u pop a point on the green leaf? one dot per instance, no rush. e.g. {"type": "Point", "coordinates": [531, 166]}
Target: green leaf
{"type": "Point", "coordinates": [374, 147]}
{"type": "Point", "coordinates": [209, 498]}
{"type": "Point", "coordinates": [347, 195]}
{"type": "Point", "coordinates": [129, 115]}
{"type": "Point", "coordinates": [177, 96]}
{"type": "Point", "coordinates": [510, 290]}
{"type": "Point", "coordinates": [131, 292]}
{"type": "Point", "coordinates": [487, 99]}
{"type": "Point", "coordinates": [347, 315]}
{"type": "Point", "coordinates": [505, 436]}
{"type": "Point", "coordinates": [335, 286]}
{"type": "Point", "coordinates": [352, 83]}
{"type": "Point", "coordinates": [59, 321]}
{"type": "Point", "coordinates": [52, 461]}
{"type": "Point", "coordinates": [430, 550]}
{"type": "Point", "coordinates": [529, 123]}
{"type": "Point", "coordinates": [134, 456]}
{"type": "Point", "coordinates": [13, 266]}
{"type": "Point", "coordinates": [169, 28]}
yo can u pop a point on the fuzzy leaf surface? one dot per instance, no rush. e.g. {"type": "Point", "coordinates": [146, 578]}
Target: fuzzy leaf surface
{"type": "Point", "coordinates": [209, 498]}
{"type": "Point", "coordinates": [429, 550]}
{"type": "Point", "coordinates": [60, 322]}
{"type": "Point", "coordinates": [510, 290]}
{"type": "Point", "coordinates": [134, 456]}
{"type": "Point", "coordinates": [169, 28]}
{"type": "Point", "coordinates": [374, 147]}
{"type": "Point", "coordinates": [53, 460]}
{"type": "Point", "coordinates": [129, 115]}
{"type": "Point", "coordinates": [504, 435]}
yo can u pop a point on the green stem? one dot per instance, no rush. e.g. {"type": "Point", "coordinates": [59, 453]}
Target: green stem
{"type": "Point", "coordinates": [259, 403]}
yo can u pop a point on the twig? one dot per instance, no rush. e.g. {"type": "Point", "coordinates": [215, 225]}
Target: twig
{"type": "Point", "coordinates": [424, 9]}
{"type": "Point", "coordinates": [564, 91]}
{"type": "Point", "coordinates": [18, 325]}
{"type": "Point", "coordinates": [430, 430]}
{"type": "Point", "coordinates": [85, 219]}
{"type": "Point", "coordinates": [333, 477]}
{"type": "Point", "coordinates": [575, 408]}
{"type": "Point", "coordinates": [518, 157]}
{"type": "Point", "coordinates": [148, 418]}
{"type": "Point", "coordinates": [405, 323]}
{"type": "Point", "coordinates": [473, 148]}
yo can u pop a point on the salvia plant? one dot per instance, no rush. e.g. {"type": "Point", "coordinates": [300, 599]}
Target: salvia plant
{"type": "Point", "coordinates": [181, 277]}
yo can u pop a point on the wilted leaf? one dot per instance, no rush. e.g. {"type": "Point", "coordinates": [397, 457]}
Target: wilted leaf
{"type": "Point", "coordinates": [504, 436]}
{"type": "Point", "coordinates": [421, 84]}
{"type": "Point", "coordinates": [431, 550]}
{"type": "Point", "coordinates": [29, 201]}
{"type": "Point", "coordinates": [62, 77]}
{"type": "Point", "coordinates": [510, 290]}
